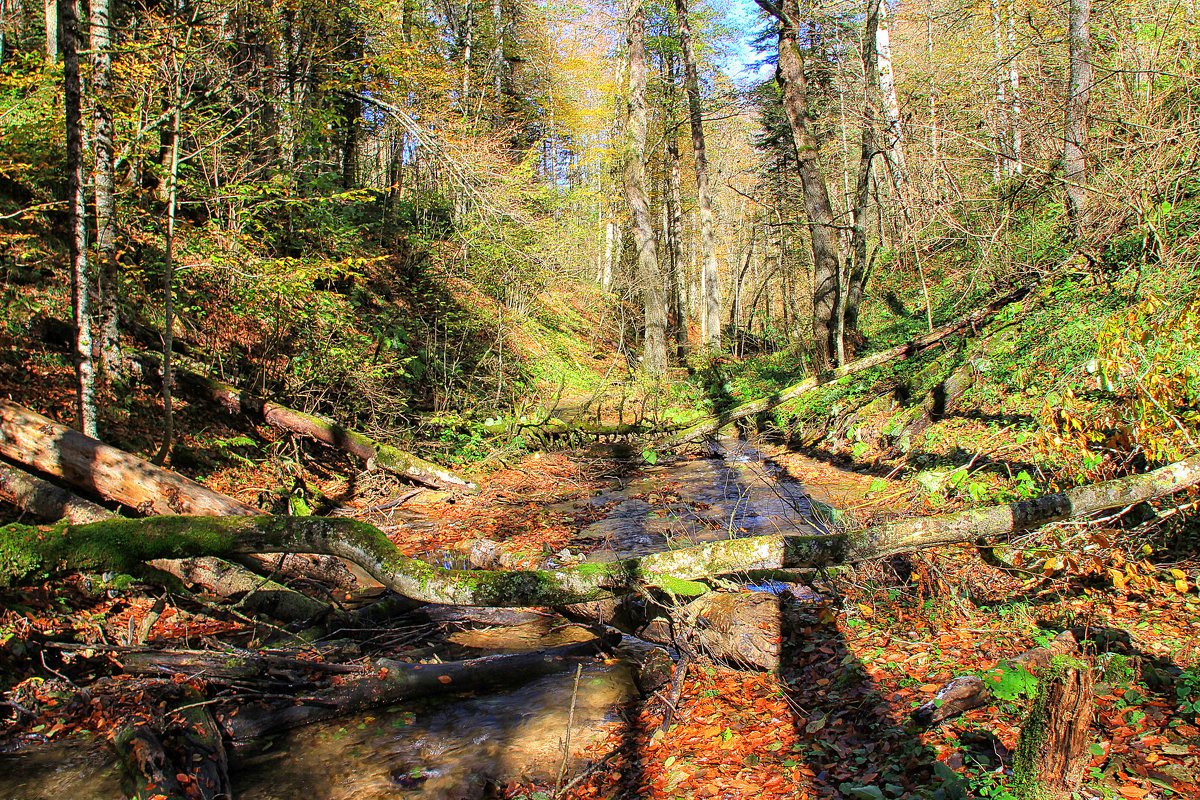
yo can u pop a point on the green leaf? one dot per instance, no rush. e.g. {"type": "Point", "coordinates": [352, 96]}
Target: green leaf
{"type": "Point", "coordinates": [650, 456]}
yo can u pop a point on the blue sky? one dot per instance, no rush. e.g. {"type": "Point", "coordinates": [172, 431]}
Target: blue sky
{"type": "Point", "coordinates": [743, 17]}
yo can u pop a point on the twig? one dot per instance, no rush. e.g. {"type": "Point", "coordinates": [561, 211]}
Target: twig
{"type": "Point", "coordinates": [562, 767]}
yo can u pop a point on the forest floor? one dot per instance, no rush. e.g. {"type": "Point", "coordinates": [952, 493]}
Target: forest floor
{"type": "Point", "coordinates": [881, 640]}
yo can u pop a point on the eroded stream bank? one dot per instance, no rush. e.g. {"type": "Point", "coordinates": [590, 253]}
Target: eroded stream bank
{"type": "Point", "coordinates": [459, 746]}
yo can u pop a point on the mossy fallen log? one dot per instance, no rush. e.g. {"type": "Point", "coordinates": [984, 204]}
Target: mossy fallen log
{"type": "Point", "coordinates": [31, 552]}
{"type": "Point", "coordinates": [134, 482]}
{"type": "Point", "coordinates": [386, 457]}
{"type": "Point", "coordinates": [710, 425]}
{"type": "Point", "coordinates": [255, 594]}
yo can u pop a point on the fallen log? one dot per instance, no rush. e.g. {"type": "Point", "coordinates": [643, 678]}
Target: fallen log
{"type": "Point", "coordinates": [257, 595]}
{"type": "Point", "coordinates": [43, 499]}
{"type": "Point", "coordinates": [32, 439]}
{"type": "Point", "coordinates": [386, 457]}
{"type": "Point", "coordinates": [711, 425]}
{"type": "Point", "coordinates": [31, 551]}
{"type": "Point", "coordinates": [43, 444]}
{"type": "Point", "coordinates": [386, 681]}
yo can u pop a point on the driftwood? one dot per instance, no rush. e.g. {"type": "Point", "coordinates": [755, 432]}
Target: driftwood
{"type": "Point", "coordinates": [386, 681]}
{"type": "Point", "coordinates": [28, 551]}
{"type": "Point", "coordinates": [970, 691]}
{"type": "Point", "coordinates": [384, 456]}
{"type": "Point", "coordinates": [711, 425]}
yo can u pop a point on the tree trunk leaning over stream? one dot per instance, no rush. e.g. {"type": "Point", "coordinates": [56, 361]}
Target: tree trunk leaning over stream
{"type": "Point", "coordinates": [711, 425]}
{"type": "Point", "coordinates": [385, 456]}
{"type": "Point", "coordinates": [27, 551]}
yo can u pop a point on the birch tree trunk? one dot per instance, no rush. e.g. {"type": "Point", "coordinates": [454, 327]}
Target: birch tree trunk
{"type": "Point", "coordinates": [1075, 169]}
{"type": "Point", "coordinates": [789, 74]}
{"type": "Point", "coordinates": [708, 245]}
{"type": "Point", "coordinates": [51, 31]}
{"type": "Point", "coordinates": [893, 135]}
{"type": "Point", "coordinates": [654, 303]}
{"type": "Point", "coordinates": [1014, 81]}
{"type": "Point", "coordinates": [1002, 123]}
{"type": "Point", "coordinates": [81, 303]}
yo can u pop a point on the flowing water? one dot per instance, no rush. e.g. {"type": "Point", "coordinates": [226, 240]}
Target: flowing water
{"type": "Point", "coordinates": [457, 747]}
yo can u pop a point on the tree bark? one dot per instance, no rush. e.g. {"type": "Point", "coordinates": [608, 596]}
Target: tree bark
{"type": "Point", "coordinates": [1075, 168]}
{"type": "Point", "coordinates": [100, 34]}
{"type": "Point", "coordinates": [52, 448]}
{"type": "Point", "coordinates": [1050, 755]}
{"type": "Point", "coordinates": [81, 303]}
{"type": "Point", "coordinates": [708, 245]}
{"type": "Point", "coordinates": [649, 276]}
{"type": "Point", "coordinates": [789, 74]}
{"type": "Point", "coordinates": [386, 457]}
{"type": "Point", "coordinates": [711, 425]}
{"type": "Point", "coordinates": [117, 545]}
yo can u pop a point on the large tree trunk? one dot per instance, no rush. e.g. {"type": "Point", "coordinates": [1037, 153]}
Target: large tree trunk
{"type": "Point", "coordinates": [100, 33]}
{"type": "Point", "coordinates": [789, 74]}
{"type": "Point", "coordinates": [119, 544]}
{"type": "Point", "coordinates": [384, 456]}
{"type": "Point", "coordinates": [1075, 168]}
{"type": "Point", "coordinates": [708, 246]}
{"type": "Point", "coordinates": [711, 425]}
{"type": "Point", "coordinates": [52, 448]}
{"type": "Point", "coordinates": [81, 303]}
{"type": "Point", "coordinates": [653, 301]}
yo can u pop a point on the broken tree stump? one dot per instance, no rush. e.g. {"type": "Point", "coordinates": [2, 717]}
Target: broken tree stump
{"type": "Point", "coordinates": [1050, 756]}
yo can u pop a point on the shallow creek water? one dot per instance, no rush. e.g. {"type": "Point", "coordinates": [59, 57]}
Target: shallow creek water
{"type": "Point", "coordinates": [455, 747]}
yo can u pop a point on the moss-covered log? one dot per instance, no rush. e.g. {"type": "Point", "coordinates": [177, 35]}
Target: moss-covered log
{"type": "Point", "coordinates": [255, 594]}
{"type": "Point", "coordinates": [711, 425]}
{"type": "Point", "coordinates": [28, 552]}
{"type": "Point", "coordinates": [386, 457]}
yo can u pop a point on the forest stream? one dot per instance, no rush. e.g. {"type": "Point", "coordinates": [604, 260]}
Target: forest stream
{"type": "Point", "coordinates": [459, 746]}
